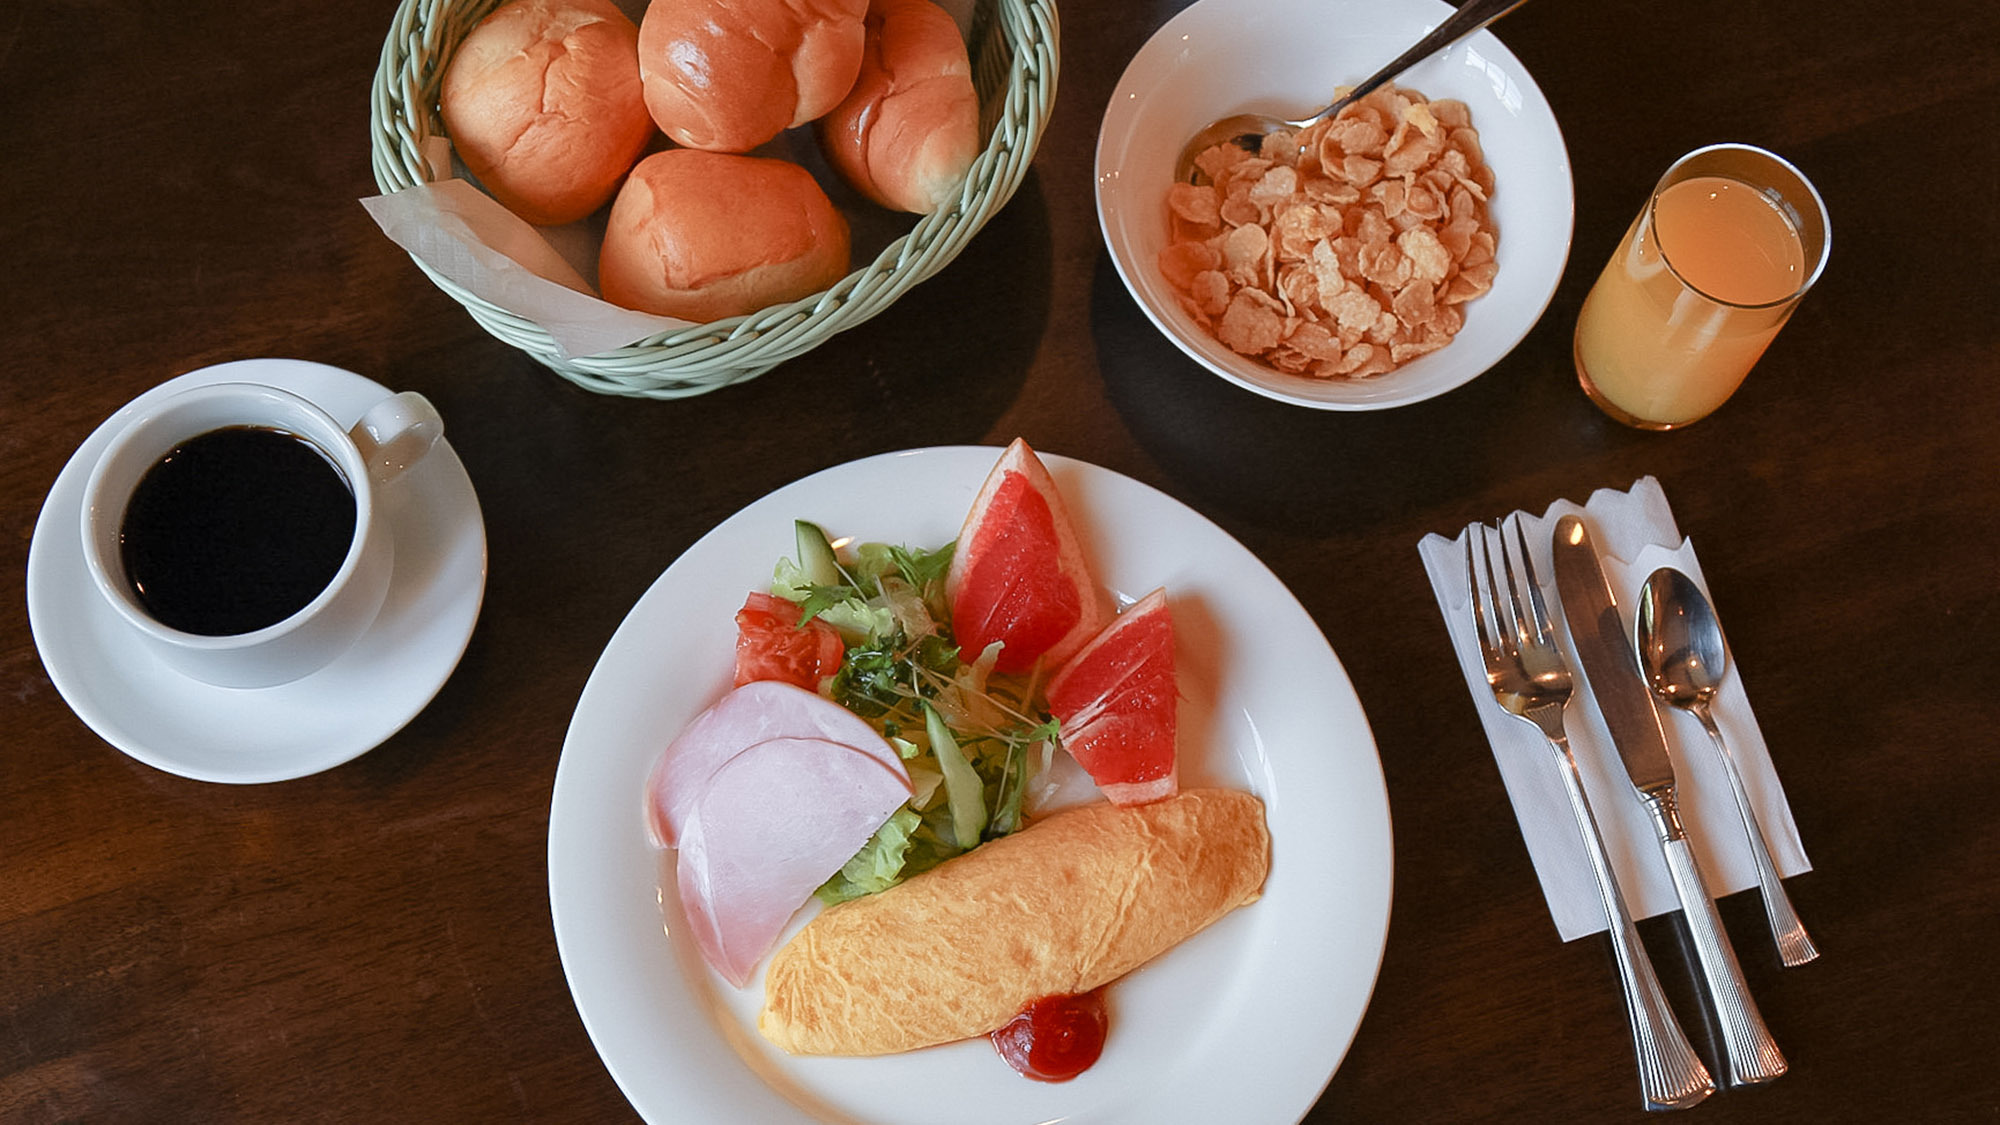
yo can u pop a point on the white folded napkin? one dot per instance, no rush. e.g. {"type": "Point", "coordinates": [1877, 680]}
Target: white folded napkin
{"type": "Point", "coordinates": [1636, 534]}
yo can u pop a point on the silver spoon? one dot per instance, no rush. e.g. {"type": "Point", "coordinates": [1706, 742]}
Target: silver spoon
{"type": "Point", "coordinates": [1253, 127]}
{"type": "Point", "coordinates": [1684, 654]}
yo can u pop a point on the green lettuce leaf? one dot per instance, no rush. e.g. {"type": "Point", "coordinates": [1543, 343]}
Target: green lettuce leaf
{"type": "Point", "coordinates": [878, 865]}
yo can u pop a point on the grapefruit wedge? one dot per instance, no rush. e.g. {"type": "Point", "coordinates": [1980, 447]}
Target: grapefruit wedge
{"type": "Point", "coordinates": [1018, 575]}
{"type": "Point", "coordinates": [1116, 702]}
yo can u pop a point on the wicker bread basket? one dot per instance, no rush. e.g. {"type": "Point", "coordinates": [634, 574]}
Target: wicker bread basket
{"type": "Point", "coordinates": [1013, 47]}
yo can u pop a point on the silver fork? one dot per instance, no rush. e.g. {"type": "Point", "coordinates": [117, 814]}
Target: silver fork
{"type": "Point", "coordinates": [1531, 682]}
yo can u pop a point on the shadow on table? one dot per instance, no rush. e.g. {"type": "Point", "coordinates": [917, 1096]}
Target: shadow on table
{"type": "Point", "coordinates": [1274, 464]}
{"type": "Point", "coordinates": [588, 497]}
{"type": "Point", "coordinates": [940, 366]}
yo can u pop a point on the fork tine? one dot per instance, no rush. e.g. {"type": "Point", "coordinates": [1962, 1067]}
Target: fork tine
{"type": "Point", "coordinates": [1488, 601]}
{"type": "Point", "coordinates": [1506, 611]}
{"type": "Point", "coordinates": [1536, 605]}
{"type": "Point", "coordinates": [1476, 590]}
{"type": "Point", "coordinates": [1521, 622]}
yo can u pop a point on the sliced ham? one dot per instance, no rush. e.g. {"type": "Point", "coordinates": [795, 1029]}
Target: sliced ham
{"type": "Point", "coordinates": [769, 826]}
{"type": "Point", "coordinates": [756, 712]}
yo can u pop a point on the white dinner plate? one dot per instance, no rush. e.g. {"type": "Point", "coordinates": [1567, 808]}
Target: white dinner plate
{"type": "Point", "coordinates": [183, 726]}
{"type": "Point", "coordinates": [1245, 1022]}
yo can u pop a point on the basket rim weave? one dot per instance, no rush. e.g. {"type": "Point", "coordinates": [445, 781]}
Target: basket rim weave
{"type": "Point", "coordinates": [703, 357]}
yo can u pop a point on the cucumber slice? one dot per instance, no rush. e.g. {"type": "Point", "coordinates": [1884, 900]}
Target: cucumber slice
{"type": "Point", "coordinates": [816, 557]}
{"type": "Point", "coordinates": [963, 790]}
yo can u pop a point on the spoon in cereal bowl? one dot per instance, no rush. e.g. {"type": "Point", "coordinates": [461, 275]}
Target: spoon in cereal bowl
{"type": "Point", "coordinates": [1252, 128]}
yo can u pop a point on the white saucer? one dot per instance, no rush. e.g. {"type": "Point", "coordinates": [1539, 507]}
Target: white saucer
{"type": "Point", "coordinates": [208, 733]}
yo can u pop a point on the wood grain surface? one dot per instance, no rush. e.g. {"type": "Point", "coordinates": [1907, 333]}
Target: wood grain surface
{"type": "Point", "coordinates": [373, 943]}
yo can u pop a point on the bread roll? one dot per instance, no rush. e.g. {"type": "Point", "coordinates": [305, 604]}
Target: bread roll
{"type": "Point", "coordinates": [542, 101]}
{"type": "Point", "coordinates": [704, 235]}
{"type": "Point", "coordinates": [908, 130]}
{"type": "Point", "coordinates": [1068, 904]}
{"type": "Point", "coordinates": [728, 75]}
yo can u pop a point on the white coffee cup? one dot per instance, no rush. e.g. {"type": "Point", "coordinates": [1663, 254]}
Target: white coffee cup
{"type": "Point", "coordinates": [391, 436]}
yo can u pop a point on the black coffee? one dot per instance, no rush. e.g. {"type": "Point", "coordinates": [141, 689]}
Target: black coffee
{"type": "Point", "coordinates": [236, 529]}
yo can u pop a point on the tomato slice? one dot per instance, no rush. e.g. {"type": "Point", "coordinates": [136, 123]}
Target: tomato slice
{"type": "Point", "coordinates": [770, 644]}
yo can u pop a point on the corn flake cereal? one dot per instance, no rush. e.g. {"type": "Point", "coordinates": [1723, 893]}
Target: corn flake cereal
{"type": "Point", "coordinates": [1343, 251]}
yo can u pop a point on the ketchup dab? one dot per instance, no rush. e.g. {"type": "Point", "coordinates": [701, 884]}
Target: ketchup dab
{"type": "Point", "coordinates": [1056, 1038]}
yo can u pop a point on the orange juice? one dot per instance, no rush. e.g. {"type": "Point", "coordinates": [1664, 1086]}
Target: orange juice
{"type": "Point", "coordinates": [1728, 240]}
{"type": "Point", "coordinates": [1703, 280]}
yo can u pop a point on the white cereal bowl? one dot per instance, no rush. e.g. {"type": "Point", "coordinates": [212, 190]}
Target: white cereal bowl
{"type": "Point", "coordinates": [1286, 58]}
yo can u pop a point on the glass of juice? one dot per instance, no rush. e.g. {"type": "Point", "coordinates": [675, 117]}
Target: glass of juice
{"type": "Point", "coordinates": [1729, 241]}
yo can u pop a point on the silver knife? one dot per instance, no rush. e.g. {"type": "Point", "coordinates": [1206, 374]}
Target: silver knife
{"type": "Point", "coordinates": [1611, 670]}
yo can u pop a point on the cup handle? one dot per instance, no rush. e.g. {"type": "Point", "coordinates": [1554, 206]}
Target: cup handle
{"type": "Point", "coordinates": [395, 434]}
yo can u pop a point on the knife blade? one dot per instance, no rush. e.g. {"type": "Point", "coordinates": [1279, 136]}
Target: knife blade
{"type": "Point", "coordinates": [1611, 674]}
{"type": "Point", "coordinates": [1610, 663]}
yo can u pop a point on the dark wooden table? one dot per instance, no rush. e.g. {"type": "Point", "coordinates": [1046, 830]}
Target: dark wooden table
{"type": "Point", "coordinates": [373, 943]}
